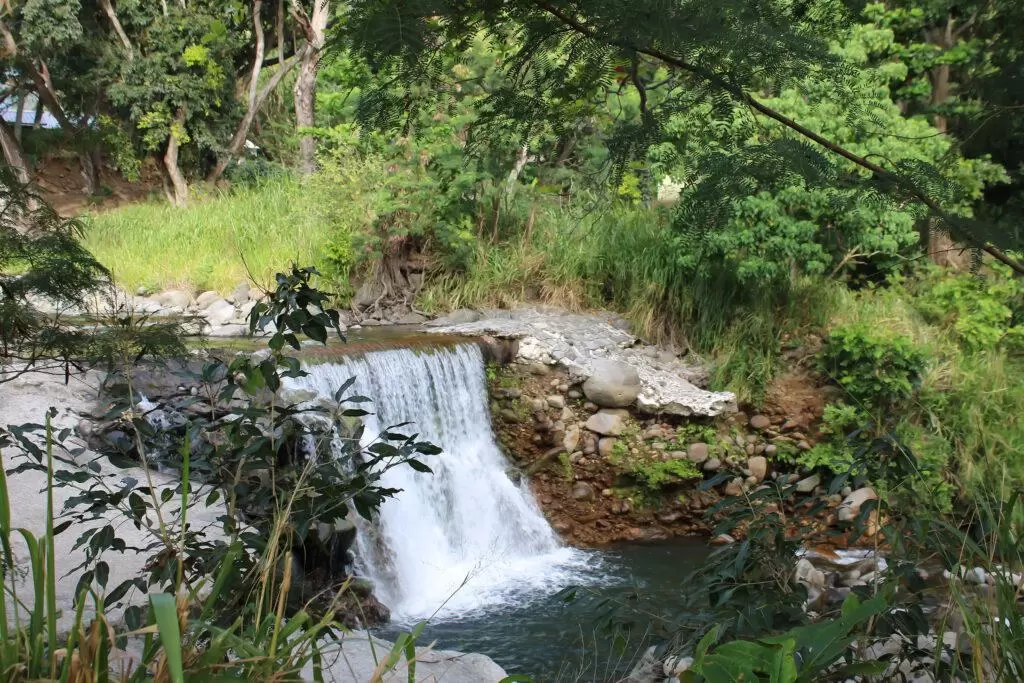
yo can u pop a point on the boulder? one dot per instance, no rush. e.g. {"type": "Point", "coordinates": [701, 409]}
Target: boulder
{"type": "Point", "coordinates": [850, 507]}
{"type": "Point", "coordinates": [758, 467]}
{"type": "Point", "coordinates": [205, 299]}
{"type": "Point", "coordinates": [612, 384]}
{"type": "Point", "coordinates": [698, 452]}
{"type": "Point", "coordinates": [367, 294]}
{"type": "Point", "coordinates": [220, 312]}
{"type": "Point", "coordinates": [357, 656]}
{"type": "Point", "coordinates": [607, 423]}
{"type": "Point", "coordinates": [240, 294]}
{"type": "Point", "coordinates": [174, 299]}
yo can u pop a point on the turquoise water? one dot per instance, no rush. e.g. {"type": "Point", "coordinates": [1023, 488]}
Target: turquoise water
{"type": "Point", "coordinates": [553, 640]}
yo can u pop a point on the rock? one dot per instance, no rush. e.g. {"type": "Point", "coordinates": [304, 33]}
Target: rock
{"type": "Point", "coordinates": [647, 669]}
{"type": "Point", "coordinates": [205, 299]}
{"type": "Point", "coordinates": [771, 449]}
{"type": "Point", "coordinates": [507, 392]}
{"type": "Point", "coordinates": [850, 507]}
{"type": "Point", "coordinates": [367, 294]}
{"type": "Point", "coordinates": [605, 446]}
{"type": "Point", "coordinates": [581, 490]}
{"type": "Point", "coordinates": [676, 455]}
{"type": "Point", "coordinates": [556, 401]}
{"type": "Point", "coordinates": [612, 384]}
{"type": "Point", "coordinates": [174, 299]}
{"type": "Point", "coordinates": [571, 440]}
{"type": "Point", "coordinates": [698, 452]}
{"type": "Point", "coordinates": [606, 423]}
{"type": "Point", "coordinates": [590, 407]}
{"type": "Point", "coordinates": [734, 487]}
{"type": "Point", "coordinates": [141, 291]}
{"type": "Point", "coordinates": [654, 432]}
{"type": "Point", "coordinates": [567, 414]}
{"type": "Point", "coordinates": [722, 539]}
{"type": "Point", "coordinates": [675, 666]}
{"type": "Point", "coordinates": [758, 467]}
{"type": "Point", "coordinates": [220, 312]}
{"type": "Point", "coordinates": [804, 445]}
{"type": "Point", "coordinates": [411, 319]}
{"type": "Point", "coordinates": [575, 394]}
{"type": "Point", "coordinates": [808, 484]}
{"type": "Point", "coordinates": [240, 294]}
{"type": "Point", "coordinates": [461, 316]}
{"type": "Point", "coordinates": [355, 657]}
{"type": "Point", "coordinates": [713, 465]}
{"type": "Point", "coordinates": [510, 416]}
{"type": "Point", "coordinates": [760, 422]}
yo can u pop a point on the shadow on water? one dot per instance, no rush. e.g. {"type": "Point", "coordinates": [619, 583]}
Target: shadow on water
{"type": "Point", "coordinates": [553, 640]}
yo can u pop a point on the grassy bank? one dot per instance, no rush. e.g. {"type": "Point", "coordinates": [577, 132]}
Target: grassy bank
{"type": "Point", "coordinates": [210, 244]}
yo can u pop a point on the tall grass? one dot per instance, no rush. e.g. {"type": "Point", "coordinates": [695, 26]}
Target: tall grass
{"type": "Point", "coordinates": [209, 244]}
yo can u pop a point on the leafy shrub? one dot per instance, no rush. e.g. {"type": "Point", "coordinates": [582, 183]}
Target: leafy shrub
{"type": "Point", "coordinates": [656, 474]}
{"type": "Point", "coordinates": [982, 312]}
{"type": "Point", "coordinates": [877, 369]}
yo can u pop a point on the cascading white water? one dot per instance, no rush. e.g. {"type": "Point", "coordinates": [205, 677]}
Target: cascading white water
{"type": "Point", "coordinates": [466, 537]}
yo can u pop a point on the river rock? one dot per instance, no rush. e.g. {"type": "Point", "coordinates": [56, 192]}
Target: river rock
{"type": "Point", "coordinates": [556, 401]}
{"type": "Point", "coordinates": [205, 299]}
{"type": "Point", "coordinates": [174, 299]}
{"type": "Point", "coordinates": [760, 422]}
{"type": "Point", "coordinates": [808, 484]}
{"type": "Point", "coordinates": [582, 491]}
{"type": "Point", "coordinates": [220, 312]}
{"type": "Point", "coordinates": [356, 657]}
{"type": "Point", "coordinates": [607, 423]}
{"type": "Point", "coordinates": [571, 440]}
{"type": "Point", "coordinates": [698, 452]}
{"type": "Point", "coordinates": [850, 507]}
{"type": "Point", "coordinates": [606, 445]}
{"type": "Point", "coordinates": [240, 294]}
{"type": "Point", "coordinates": [734, 487]}
{"type": "Point", "coordinates": [612, 384]}
{"type": "Point", "coordinates": [713, 465]}
{"type": "Point", "coordinates": [758, 467]}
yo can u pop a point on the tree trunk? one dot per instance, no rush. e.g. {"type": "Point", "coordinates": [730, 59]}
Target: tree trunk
{"type": "Point", "coordinates": [91, 163]}
{"type": "Point", "coordinates": [257, 62]}
{"type": "Point", "coordinates": [238, 141]}
{"type": "Point", "coordinates": [13, 153]}
{"type": "Point", "coordinates": [176, 187]}
{"type": "Point", "coordinates": [305, 84]}
{"type": "Point", "coordinates": [942, 249]}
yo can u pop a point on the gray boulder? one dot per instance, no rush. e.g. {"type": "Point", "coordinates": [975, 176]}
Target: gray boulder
{"type": "Point", "coordinates": [220, 312]}
{"type": "Point", "coordinates": [606, 423]}
{"type": "Point", "coordinates": [612, 384]}
{"type": "Point", "coordinates": [240, 294]}
{"type": "Point", "coordinates": [205, 299]}
{"type": "Point", "coordinates": [356, 656]}
{"type": "Point", "coordinates": [175, 299]}
{"type": "Point", "coordinates": [411, 319]}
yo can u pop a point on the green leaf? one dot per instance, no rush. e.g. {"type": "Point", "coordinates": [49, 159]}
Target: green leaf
{"type": "Point", "coordinates": [165, 611]}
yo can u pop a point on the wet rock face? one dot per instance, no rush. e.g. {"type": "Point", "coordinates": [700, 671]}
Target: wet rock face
{"type": "Point", "coordinates": [614, 368]}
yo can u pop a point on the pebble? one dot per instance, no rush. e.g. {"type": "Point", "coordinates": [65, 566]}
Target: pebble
{"type": "Point", "coordinates": [698, 452]}
{"type": "Point", "coordinates": [760, 422]}
{"type": "Point", "coordinates": [713, 465]}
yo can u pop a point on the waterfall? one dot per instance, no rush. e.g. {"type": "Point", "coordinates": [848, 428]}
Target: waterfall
{"type": "Point", "coordinates": [469, 536]}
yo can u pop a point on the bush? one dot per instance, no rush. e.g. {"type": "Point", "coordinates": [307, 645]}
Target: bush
{"type": "Point", "coordinates": [876, 369]}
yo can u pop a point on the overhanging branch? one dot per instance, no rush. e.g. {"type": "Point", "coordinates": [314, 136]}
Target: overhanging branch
{"type": "Point", "coordinates": [743, 96]}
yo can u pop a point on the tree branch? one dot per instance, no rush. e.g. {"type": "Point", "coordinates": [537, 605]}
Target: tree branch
{"type": "Point", "coordinates": [745, 97]}
{"type": "Point", "coordinates": [257, 62]}
{"type": "Point", "coordinates": [108, 9]}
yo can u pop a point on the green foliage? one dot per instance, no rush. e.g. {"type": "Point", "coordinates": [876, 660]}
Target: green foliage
{"type": "Point", "coordinates": [982, 312]}
{"type": "Point", "coordinates": [654, 475]}
{"type": "Point", "coordinates": [878, 371]}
